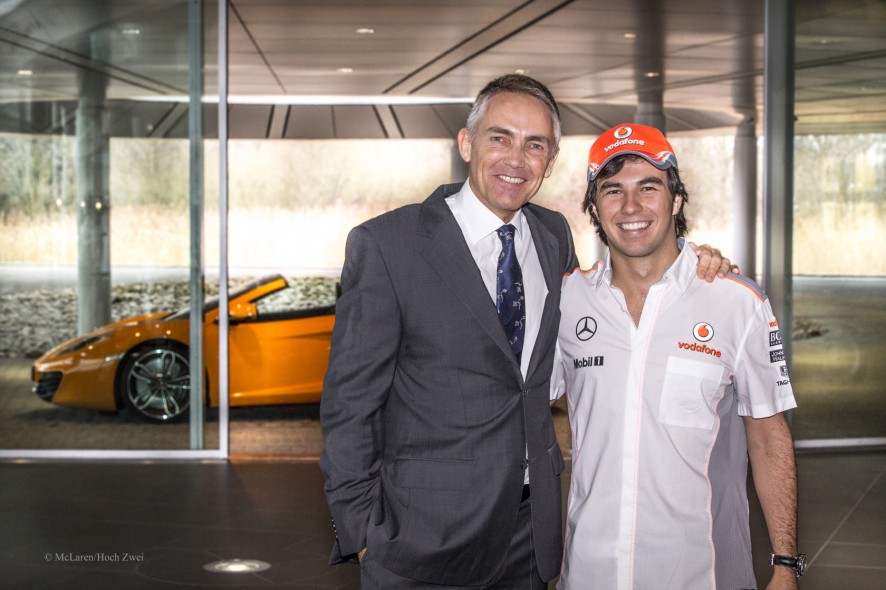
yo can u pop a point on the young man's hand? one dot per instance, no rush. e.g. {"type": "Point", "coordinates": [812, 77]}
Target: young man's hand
{"type": "Point", "coordinates": [783, 578]}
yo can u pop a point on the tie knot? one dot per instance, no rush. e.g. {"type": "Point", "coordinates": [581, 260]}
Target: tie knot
{"type": "Point", "coordinates": [506, 233]}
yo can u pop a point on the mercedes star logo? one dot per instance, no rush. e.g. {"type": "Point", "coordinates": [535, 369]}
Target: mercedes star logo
{"type": "Point", "coordinates": [585, 328]}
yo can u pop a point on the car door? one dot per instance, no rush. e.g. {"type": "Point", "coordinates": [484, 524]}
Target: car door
{"type": "Point", "coordinates": [278, 354]}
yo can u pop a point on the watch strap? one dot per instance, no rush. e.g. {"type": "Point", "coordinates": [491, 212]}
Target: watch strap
{"type": "Point", "coordinates": [795, 562]}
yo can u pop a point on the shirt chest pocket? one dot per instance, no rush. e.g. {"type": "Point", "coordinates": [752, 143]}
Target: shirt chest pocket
{"type": "Point", "coordinates": [688, 393]}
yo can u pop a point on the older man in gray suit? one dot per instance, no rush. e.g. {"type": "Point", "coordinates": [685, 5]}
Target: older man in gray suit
{"type": "Point", "coordinates": [441, 464]}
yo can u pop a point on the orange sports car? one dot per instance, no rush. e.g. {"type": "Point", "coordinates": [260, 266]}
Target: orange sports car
{"type": "Point", "coordinates": [278, 355]}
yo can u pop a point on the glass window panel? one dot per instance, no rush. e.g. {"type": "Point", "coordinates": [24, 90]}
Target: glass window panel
{"type": "Point", "coordinates": [94, 225]}
{"type": "Point", "coordinates": [292, 204]}
{"type": "Point", "coordinates": [839, 285]}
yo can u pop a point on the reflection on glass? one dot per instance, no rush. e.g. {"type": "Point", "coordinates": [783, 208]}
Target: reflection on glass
{"type": "Point", "coordinates": [94, 224]}
{"type": "Point", "coordinates": [840, 299]}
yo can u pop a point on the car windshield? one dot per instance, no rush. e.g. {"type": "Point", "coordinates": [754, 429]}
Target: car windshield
{"type": "Point", "coordinates": [212, 303]}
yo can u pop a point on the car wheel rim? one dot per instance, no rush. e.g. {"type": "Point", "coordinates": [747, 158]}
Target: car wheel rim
{"type": "Point", "coordinates": [159, 384]}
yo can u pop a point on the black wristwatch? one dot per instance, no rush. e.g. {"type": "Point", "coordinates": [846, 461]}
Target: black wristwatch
{"type": "Point", "coordinates": [796, 563]}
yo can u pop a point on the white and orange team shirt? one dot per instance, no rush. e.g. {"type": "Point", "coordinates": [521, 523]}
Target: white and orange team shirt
{"type": "Point", "coordinates": [659, 456]}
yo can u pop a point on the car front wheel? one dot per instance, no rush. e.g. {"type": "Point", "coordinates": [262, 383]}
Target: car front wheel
{"type": "Point", "coordinates": [155, 382]}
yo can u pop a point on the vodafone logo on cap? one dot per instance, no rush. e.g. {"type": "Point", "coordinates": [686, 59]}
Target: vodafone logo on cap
{"type": "Point", "coordinates": [703, 331]}
{"type": "Point", "coordinates": [623, 132]}
{"type": "Point", "coordinates": [621, 139]}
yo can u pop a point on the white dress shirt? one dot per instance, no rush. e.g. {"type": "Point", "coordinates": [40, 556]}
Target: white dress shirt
{"type": "Point", "coordinates": [479, 226]}
{"type": "Point", "coordinates": [658, 496]}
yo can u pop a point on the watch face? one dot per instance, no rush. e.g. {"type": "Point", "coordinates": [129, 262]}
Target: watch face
{"type": "Point", "coordinates": [801, 564]}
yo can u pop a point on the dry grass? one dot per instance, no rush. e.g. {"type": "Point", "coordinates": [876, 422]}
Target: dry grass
{"type": "Point", "coordinates": [274, 237]}
{"type": "Point", "coordinates": [140, 235]}
{"type": "Point", "coordinates": [49, 238]}
{"type": "Point", "coordinates": [270, 237]}
{"type": "Point", "coordinates": [841, 240]}
{"type": "Point", "coordinates": [837, 240]}
{"type": "Point", "coordinates": [293, 203]}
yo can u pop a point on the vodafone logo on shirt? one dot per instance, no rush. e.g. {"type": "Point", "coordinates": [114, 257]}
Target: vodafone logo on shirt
{"type": "Point", "coordinates": [700, 348]}
{"type": "Point", "coordinates": [703, 332]}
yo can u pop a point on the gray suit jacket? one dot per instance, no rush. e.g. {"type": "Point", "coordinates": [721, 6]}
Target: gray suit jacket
{"type": "Point", "coordinates": [426, 416]}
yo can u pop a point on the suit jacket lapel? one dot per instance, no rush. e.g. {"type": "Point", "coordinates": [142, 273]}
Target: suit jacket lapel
{"type": "Point", "coordinates": [448, 254]}
{"type": "Point", "coordinates": [547, 248]}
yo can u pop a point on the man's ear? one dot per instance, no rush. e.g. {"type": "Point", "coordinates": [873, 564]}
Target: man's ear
{"type": "Point", "coordinates": [550, 167]}
{"type": "Point", "coordinates": [464, 145]}
{"type": "Point", "coordinates": [678, 204]}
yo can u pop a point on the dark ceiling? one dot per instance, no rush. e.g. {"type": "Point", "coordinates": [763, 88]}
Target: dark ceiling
{"type": "Point", "coordinates": [304, 68]}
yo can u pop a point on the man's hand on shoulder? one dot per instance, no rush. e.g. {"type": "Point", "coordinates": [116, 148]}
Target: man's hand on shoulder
{"type": "Point", "coordinates": [711, 263]}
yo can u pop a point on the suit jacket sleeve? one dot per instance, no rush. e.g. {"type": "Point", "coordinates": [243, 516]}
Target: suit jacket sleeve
{"type": "Point", "coordinates": [365, 344]}
{"type": "Point", "coordinates": [571, 257]}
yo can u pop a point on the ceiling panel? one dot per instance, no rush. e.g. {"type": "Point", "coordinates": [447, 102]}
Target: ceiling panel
{"type": "Point", "coordinates": [591, 53]}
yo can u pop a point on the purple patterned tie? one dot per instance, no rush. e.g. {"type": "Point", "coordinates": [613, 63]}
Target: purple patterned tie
{"type": "Point", "coordinates": [509, 284]}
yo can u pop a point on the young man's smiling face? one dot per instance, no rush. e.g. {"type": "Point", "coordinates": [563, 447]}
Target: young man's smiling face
{"type": "Point", "coordinates": [636, 210]}
{"type": "Point", "coordinates": [512, 152]}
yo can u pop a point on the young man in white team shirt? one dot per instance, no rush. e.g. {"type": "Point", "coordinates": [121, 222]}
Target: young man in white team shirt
{"type": "Point", "coordinates": [671, 384]}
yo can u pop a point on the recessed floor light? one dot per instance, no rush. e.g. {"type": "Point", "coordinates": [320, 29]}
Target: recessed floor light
{"type": "Point", "coordinates": [365, 31]}
{"type": "Point", "coordinates": [237, 566]}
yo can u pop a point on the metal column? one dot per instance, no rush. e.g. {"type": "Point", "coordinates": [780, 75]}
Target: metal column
{"type": "Point", "coordinates": [778, 195]}
{"type": "Point", "coordinates": [195, 141]}
{"type": "Point", "coordinates": [744, 99]}
{"type": "Point", "coordinates": [93, 191]}
{"type": "Point", "coordinates": [745, 192]}
{"type": "Point", "coordinates": [223, 323]}
{"type": "Point", "coordinates": [649, 70]}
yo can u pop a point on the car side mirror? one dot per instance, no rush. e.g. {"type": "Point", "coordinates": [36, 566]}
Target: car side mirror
{"type": "Point", "coordinates": [241, 312]}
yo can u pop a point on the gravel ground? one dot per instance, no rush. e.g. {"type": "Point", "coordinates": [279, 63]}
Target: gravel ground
{"type": "Point", "coordinates": [35, 321]}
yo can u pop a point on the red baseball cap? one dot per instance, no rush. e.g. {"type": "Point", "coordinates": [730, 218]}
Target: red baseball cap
{"type": "Point", "coordinates": [631, 138]}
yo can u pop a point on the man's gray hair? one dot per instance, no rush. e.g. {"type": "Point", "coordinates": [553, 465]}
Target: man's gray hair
{"type": "Point", "coordinates": [514, 83]}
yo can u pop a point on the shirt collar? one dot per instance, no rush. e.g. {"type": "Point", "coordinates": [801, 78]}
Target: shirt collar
{"type": "Point", "coordinates": [478, 220]}
{"type": "Point", "coordinates": [605, 274]}
{"type": "Point", "coordinates": [681, 272]}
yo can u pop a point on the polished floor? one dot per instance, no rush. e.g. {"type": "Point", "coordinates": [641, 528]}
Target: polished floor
{"type": "Point", "coordinates": [144, 525]}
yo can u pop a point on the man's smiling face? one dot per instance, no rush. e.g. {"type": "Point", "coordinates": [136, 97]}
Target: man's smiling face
{"type": "Point", "coordinates": [511, 154]}
{"type": "Point", "coordinates": [636, 210]}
